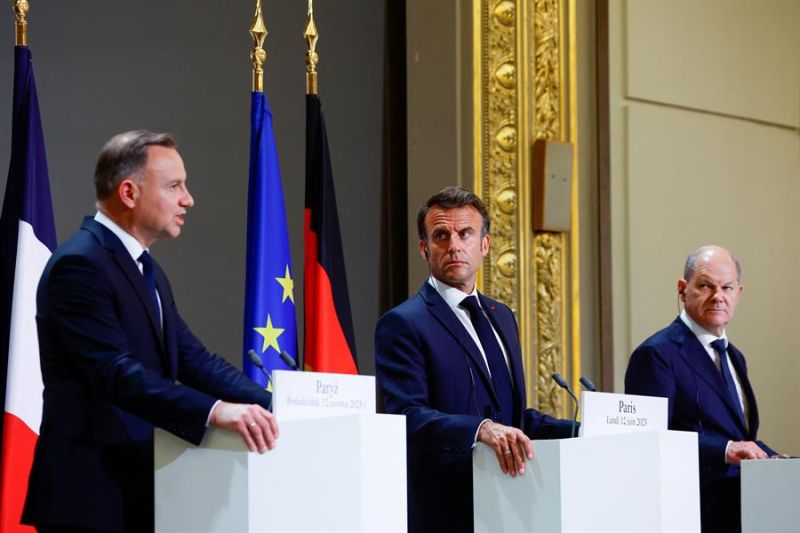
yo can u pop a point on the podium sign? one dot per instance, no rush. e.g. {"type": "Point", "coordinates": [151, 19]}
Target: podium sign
{"type": "Point", "coordinates": [301, 395]}
{"type": "Point", "coordinates": [605, 413]}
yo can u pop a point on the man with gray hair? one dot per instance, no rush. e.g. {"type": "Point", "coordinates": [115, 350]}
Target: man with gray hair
{"type": "Point", "coordinates": [116, 357]}
{"type": "Point", "coordinates": [704, 378]}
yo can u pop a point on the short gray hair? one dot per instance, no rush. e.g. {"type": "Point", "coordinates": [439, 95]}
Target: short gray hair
{"type": "Point", "coordinates": [123, 155]}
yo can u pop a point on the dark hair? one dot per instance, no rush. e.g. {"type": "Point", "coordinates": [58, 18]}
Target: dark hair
{"type": "Point", "coordinates": [451, 198]}
{"type": "Point", "coordinates": [691, 264]}
{"type": "Point", "coordinates": [122, 156]}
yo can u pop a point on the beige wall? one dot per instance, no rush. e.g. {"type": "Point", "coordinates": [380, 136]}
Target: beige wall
{"type": "Point", "coordinates": [705, 147]}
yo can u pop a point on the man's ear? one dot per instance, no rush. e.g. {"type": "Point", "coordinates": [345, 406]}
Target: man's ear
{"type": "Point", "coordinates": [682, 290]}
{"type": "Point", "coordinates": [423, 250]}
{"type": "Point", "coordinates": [128, 193]}
{"type": "Point", "coordinates": [485, 245]}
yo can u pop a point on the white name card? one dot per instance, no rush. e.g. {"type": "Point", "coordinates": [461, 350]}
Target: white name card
{"type": "Point", "coordinates": [606, 413]}
{"type": "Point", "coordinates": [298, 395]}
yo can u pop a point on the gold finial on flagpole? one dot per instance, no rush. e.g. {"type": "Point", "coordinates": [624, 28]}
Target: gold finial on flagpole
{"type": "Point", "coordinates": [258, 30]}
{"type": "Point", "coordinates": [21, 9]}
{"type": "Point", "coordinates": [311, 37]}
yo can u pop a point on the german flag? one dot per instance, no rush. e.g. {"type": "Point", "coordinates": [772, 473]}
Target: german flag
{"type": "Point", "coordinates": [329, 341]}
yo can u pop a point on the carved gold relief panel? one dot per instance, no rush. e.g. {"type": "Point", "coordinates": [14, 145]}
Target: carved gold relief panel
{"type": "Point", "coordinates": [519, 51]}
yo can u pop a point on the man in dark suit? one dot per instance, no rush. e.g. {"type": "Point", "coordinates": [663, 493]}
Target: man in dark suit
{"type": "Point", "coordinates": [116, 357]}
{"type": "Point", "coordinates": [704, 377]}
{"type": "Point", "coordinates": [449, 359]}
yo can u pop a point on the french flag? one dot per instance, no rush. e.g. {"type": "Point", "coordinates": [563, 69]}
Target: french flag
{"type": "Point", "coordinates": [27, 239]}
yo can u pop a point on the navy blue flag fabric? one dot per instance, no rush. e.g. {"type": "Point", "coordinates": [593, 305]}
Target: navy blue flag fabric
{"type": "Point", "coordinates": [270, 324]}
{"type": "Point", "coordinates": [27, 239]}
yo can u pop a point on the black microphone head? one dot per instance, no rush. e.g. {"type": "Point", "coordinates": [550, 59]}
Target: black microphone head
{"type": "Point", "coordinates": [587, 384]}
{"type": "Point", "coordinates": [289, 360]}
{"type": "Point", "coordinates": [254, 358]}
{"type": "Point", "coordinates": [559, 379]}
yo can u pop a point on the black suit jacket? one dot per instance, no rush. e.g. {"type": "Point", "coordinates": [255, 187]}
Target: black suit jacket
{"type": "Point", "coordinates": [674, 365]}
{"type": "Point", "coordinates": [430, 370]}
{"type": "Point", "coordinates": [111, 373]}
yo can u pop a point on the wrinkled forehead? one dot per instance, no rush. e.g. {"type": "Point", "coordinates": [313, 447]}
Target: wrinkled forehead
{"type": "Point", "coordinates": [453, 218]}
{"type": "Point", "coordinates": [719, 268]}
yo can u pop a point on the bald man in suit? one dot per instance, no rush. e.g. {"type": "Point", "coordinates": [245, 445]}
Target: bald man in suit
{"type": "Point", "coordinates": [704, 377]}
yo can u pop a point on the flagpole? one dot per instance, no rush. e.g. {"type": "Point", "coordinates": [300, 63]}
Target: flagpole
{"type": "Point", "coordinates": [258, 30]}
{"type": "Point", "coordinates": [311, 37]}
{"type": "Point", "coordinates": [21, 9]}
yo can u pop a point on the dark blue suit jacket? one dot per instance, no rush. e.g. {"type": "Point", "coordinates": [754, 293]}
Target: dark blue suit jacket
{"type": "Point", "coordinates": [674, 365]}
{"type": "Point", "coordinates": [110, 375]}
{"type": "Point", "coordinates": [430, 370]}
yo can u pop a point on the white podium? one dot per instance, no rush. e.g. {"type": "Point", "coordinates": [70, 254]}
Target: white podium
{"type": "Point", "coordinates": [632, 482]}
{"type": "Point", "coordinates": [770, 496]}
{"type": "Point", "coordinates": [333, 474]}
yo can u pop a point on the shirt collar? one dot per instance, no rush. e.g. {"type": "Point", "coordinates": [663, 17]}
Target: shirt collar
{"type": "Point", "coordinates": [451, 295]}
{"type": "Point", "coordinates": [703, 335]}
{"type": "Point", "coordinates": [130, 243]}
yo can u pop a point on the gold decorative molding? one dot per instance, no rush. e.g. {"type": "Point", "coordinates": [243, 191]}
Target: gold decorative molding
{"type": "Point", "coordinates": [21, 8]}
{"type": "Point", "coordinates": [548, 248]}
{"type": "Point", "coordinates": [549, 272]}
{"type": "Point", "coordinates": [519, 53]}
{"type": "Point", "coordinates": [258, 31]}
{"type": "Point", "coordinates": [498, 32]}
{"type": "Point", "coordinates": [546, 68]}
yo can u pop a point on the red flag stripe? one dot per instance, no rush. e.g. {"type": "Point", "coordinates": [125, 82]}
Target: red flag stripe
{"type": "Point", "coordinates": [18, 445]}
{"type": "Point", "coordinates": [326, 347]}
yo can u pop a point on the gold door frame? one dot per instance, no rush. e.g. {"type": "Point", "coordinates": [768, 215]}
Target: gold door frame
{"type": "Point", "coordinates": [525, 89]}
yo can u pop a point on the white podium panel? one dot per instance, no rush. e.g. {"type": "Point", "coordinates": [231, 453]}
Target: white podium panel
{"type": "Point", "coordinates": [770, 496]}
{"type": "Point", "coordinates": [632, 482]}
{"type": "Point", "coordinates": [333, 474]}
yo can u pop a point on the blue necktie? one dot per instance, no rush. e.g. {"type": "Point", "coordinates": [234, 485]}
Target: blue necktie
{"type": "Point", "coordinates": [494, 356]}
{"type": "Point", "coordinates": [150, 280]}
{"type": "Point", "coordinates": [722, 350]}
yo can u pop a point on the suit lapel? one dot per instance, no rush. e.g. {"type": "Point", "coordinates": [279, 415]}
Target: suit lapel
{"type": "Point", "coordinates": [698, 360]}
{"type": "Point", "coordinates": [737, 358]}
{"type": "Point", "coordinates": [128, 267]}
{"type": "Point", "coordinates": [442, 312]}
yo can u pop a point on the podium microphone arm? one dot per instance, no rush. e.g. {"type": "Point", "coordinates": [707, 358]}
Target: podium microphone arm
{"type": "Point", "coordinates": [256, 360]}
{"type": "Point", "coordinates": [561, 382]}
{"type": "Point", "coordinates": [587, 384]}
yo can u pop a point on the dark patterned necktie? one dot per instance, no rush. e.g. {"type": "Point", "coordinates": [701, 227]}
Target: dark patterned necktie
{"type": "Point", "coordinates": [150, 279]}
{"type": "Point", "coordinates": [501, 378]}
{"type": "Point", "coordinates": [720, 346]}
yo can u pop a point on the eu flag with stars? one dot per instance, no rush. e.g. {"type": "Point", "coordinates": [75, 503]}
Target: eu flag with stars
{"type": "Point", "coordinates": [270, 325]}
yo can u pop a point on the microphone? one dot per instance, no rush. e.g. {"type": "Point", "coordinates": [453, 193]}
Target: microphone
{"type": "Point", "coordinates": [561, 382]}
{"type": "Point", "coordinates": [587, 384]}
{"type": "Point", "coordinates": [256, 360]}
{"type": "Point", "coordinates": [289, 360]}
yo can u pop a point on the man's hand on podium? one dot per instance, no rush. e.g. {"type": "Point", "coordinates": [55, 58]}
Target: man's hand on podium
{"type": "Point", "coordinates": [510, 445]}
{"type": "Point", "coordinates": [738, 451]}
{"type": "Point", "coordinates": [257, 426]}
